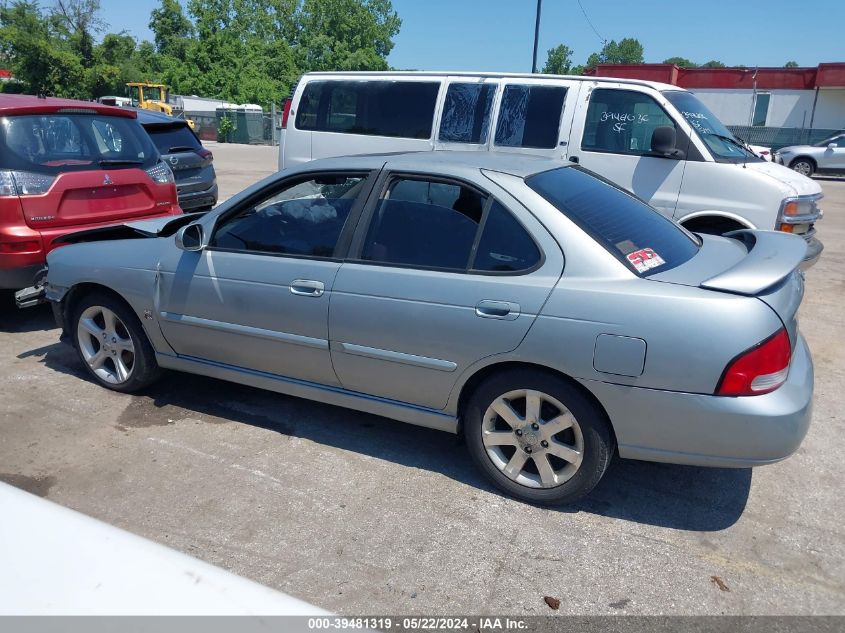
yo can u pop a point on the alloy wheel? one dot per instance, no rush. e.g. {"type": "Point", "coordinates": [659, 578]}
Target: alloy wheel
{"type": "Point", "coordinates": [106, 345]}
{"type": "Point", "coordinates": [803, 168]}
{"type": "Point", "coordinates": [532, 438]}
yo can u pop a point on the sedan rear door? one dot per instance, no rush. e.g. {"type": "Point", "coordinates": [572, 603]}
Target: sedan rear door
{"type": "Point", "coordinates": [441, 275]}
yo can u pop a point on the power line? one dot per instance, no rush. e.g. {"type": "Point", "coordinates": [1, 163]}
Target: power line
{"type": "Point", "coordinates": [587, 18]}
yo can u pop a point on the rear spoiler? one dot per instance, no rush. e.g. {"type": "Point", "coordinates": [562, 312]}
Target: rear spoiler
{"type": "Point", "coordinates": [772, 256]}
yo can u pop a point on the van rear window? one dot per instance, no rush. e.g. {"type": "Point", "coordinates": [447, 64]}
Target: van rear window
{"type": "Point", "coordinates": [639, 236]}
{"type": "Point", "coordinates": [403, 109]}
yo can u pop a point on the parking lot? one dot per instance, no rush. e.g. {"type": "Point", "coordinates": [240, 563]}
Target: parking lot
{"type": "Point", "coordinates": [360, 514]}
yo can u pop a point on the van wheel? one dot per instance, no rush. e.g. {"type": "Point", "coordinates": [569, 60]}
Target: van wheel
{"type": "Point", "coordinates": [112, 344]}
{"type": "Point", "coordinates": [537, 438]}
{"type": "Point", "coordinates": [803, 166]}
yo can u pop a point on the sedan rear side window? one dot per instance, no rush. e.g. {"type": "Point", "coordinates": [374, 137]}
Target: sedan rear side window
{"type": "Point", "coordinates": [530, 116]}
{"type": "Point", "coordinates": [374, 108]}
{"type": "Point", "coordinates": [640, 237]}
{"type": "Point", "coordinates": [425, 224]}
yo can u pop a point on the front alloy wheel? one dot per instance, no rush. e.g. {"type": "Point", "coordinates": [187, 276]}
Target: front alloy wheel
{"type": "Point", "coordinates": [112, 343]}
{"type": "Point", "coordinates": [803, 167]}
{"type": "Point", "coordinates": [106, 345]}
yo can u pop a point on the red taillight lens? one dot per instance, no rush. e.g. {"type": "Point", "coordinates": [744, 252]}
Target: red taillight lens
{"type": "Point", "coordinates": [286, 112]}
{"type": "Point", "coordinates": [205, 154]}
{"type": "Point", "coordinates": [759, 370]}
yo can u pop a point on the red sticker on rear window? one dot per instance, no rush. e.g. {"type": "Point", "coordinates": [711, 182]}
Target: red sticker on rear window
{"type": "Point", "coordinates": [645, 259]}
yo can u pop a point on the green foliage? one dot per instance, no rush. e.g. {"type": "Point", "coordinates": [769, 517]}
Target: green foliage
{"type": "Point", "coordinates": [713, 64]}
{"type": "Point", "coordinates": [226, 128]}
{"type": "Point", "coordinates": [559, 60]}
{"type": "Point", "coordinates": [791, 64]}
{"type": "Point", "coordinates": [246, 51]}
{"type": "Point", "coordinates": [626, 51]}
{"type": "Point", "coordinates": [682, 62]}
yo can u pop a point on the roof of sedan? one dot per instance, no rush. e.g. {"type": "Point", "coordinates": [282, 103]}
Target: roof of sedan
{"type": "Point", "coordinates": [443, 162]}
{"type": "Point", "coordinates": [12, 104]}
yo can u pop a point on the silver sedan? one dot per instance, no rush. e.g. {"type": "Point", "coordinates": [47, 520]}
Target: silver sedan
{"type": "Point", "coordinates": [826, 157]}
{"type": "Point", "coordinates": [548, 316]}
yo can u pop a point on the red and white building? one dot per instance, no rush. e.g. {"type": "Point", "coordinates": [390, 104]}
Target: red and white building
{"type": "Point", "coordinates": [808, 98]}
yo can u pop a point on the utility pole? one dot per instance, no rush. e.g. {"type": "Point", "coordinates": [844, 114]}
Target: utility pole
{"type": "Point", "coordinates": [536, 36]}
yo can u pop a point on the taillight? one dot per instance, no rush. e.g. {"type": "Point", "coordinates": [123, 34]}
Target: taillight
{"type": "Point", "coordinates": [204, 154]}
{"type": "Point", "coordinates": [161, 174]}
{"type": "Point", "coordinates": [759, 370]}
{"type": "Point", "coordinates": [286, 112]}
{"type": "Point", "coordinates": [24, 183]}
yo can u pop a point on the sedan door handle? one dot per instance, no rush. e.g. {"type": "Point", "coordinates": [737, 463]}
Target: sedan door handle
{"type": "Point", "coordinates": [497, 310]}
{"type": "Point", "coordinates": [307, 287]}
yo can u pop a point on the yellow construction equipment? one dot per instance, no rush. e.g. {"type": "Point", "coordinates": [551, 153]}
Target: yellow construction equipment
{"type": "Point", "coordinates": [156, 97]}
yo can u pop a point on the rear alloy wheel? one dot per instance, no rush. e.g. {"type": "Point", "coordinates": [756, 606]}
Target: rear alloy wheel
{"type": "Point", "coordinates": [803, 166]}
{"type": "Point", "coordinates": [113, 345]}
{"type": "Point", "coordinates": [537, 437]}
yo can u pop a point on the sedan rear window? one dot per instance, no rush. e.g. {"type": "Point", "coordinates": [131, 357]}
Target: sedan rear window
{"type": "Point", "coordinates": [60, 142]}
{"type": "Point", "coordinates": [640, 237]}
{"type": "Point", "coordinates": [170, 139]}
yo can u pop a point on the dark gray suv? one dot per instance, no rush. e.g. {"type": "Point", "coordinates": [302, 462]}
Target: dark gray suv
{"type": "Point", "coordinates": [191, 163]}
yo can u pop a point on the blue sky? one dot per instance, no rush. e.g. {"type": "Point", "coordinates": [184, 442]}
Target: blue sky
{"type": "Point", "coordinates": [498, 34]}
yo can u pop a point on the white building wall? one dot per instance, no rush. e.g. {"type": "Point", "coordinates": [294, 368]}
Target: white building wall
{"type": "Point", "coordinates": [830, 109]}
{"type": "Point", "coordinates": [787, 108]}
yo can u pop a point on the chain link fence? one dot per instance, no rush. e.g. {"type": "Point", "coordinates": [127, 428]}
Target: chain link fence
{"type": "Point", "coordinates": [777, 137]}
{"type": "Point", "coordinates": [252, 128]}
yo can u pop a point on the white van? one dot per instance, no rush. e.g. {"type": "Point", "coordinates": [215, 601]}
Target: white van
{"type": "Point", "coordinates": [656, 140]}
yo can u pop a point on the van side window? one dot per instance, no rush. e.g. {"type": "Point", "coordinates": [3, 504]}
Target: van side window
{"type": "Point", "coordinates": [530, 116]}
{"type": "Point", "coordinates": [403, 109]}
{"type": "Point", "coordinates": [424, 223]}
{"type": "Point", "coordinates": [466, 113]}
{"type": "Point", "coordinates": [622, 122]}
{"type": "Point", "coordinates": [505, 246]}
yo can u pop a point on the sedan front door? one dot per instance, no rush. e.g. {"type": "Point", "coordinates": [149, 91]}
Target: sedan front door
{"type": "Point", "coordinates": [257, 297]}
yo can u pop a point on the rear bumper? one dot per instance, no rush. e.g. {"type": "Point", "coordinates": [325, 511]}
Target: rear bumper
{"type": "Point", "coordinates": [705, 430]}
{"type": "Point", "coordinates": [199, 199]}
{"type": "Point", "coordinates": [16, 277]}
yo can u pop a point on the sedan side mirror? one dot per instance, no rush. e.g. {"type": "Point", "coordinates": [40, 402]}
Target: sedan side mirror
{"type": "Point", "coordinates": [663, 140]}
{"type": "Point", "coordinates": [191, 238]}
{"type": "Point", "coordinates": [831, 146]}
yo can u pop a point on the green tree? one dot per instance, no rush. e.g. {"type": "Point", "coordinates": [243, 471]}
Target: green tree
{"type": "Point", "coordinates": [559, 60]}
{"type": "Point", "coordinates": [626, 51]}
{"type": "Point", "coordinates": [682, 62]}
{"type": "Point", "coordinates": [171, 28]}
{"type": "Point", "coordinates": [713, 64]}
{"type": "Point", "coordinates": [791, 64]}
{"type": "Point", "coordinates": [77, 22]}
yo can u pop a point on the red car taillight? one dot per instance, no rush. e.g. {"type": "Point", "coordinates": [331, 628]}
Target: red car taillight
{"type": "Point", "coordinates": [24, 183]}
{"type": "Point", "coordinates": [759, 370]}
{"type": "Point", "coordinates": [204, 154]}
{"type": "Point", "coordinates": [286, 112]}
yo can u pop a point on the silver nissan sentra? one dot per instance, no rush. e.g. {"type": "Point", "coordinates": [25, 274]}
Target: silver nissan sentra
{"type": "Point", "coordinates": [550, 317]}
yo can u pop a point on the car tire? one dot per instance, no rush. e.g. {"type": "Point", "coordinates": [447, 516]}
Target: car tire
{"type": "Point", "coordinates": [803, 166]}
{"type": "Point", "coordinates": [112, 343]}
{"type": "Point", "coordinates": [568, 421]}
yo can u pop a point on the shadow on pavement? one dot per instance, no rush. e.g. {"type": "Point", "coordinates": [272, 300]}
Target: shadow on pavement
{"type": "Point", "coordinates": [13, 320]}
{"type": "Point", "coordinates": [680, 497]}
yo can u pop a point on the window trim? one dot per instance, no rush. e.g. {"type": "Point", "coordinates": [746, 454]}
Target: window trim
{"type": "Point", "coordinates": [377, 195]}
{"type": "Point", "coordinates": [342, 245]}
{"type": "Point", "coordinates": [681, 136]}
